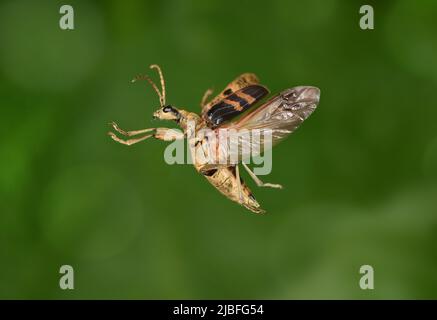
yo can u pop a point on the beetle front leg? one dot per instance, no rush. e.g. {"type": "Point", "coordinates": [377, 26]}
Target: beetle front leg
{"type": "Point", "coordinates": [128, 142]}
{"type": "Point", "coordinates": [164, 134]}
{"type": "Point", "coordinates": [129, 133]}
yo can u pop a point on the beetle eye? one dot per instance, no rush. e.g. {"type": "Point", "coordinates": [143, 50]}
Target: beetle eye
{"type": "Point", "coordinates": [167, 108]}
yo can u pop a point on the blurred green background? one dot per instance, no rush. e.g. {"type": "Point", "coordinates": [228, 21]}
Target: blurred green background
{"type": "Point", "coordinates": [360, 175]}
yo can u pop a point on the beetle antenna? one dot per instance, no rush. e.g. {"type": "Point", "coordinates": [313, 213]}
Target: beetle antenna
{"type": "Point", "coordinates": [145, 77]}
{"type": "Point", "coordinates": [161, 77]}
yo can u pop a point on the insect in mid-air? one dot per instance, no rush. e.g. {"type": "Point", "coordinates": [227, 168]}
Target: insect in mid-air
{"type": "Point", "coordinates": [280, 115]}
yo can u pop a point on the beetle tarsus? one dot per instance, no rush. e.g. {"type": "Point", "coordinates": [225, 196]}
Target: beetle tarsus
{"type": "Point", "coordinates": [129, 133]}
{"type": "Point", "coordinates": [258, 181]}
{"type": "Point", "coordinates": [130, 141]}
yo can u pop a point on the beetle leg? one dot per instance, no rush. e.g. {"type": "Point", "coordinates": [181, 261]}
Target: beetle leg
{"type": "Point", "coordinates": [167, 134]}
{"type": "Point", "coordinates": [129, 133]}
{"type": "Point", "coordinates": [130, 141]}
{"type": "Point", "coordinates": [205, 97]}
{"type": "Point", "coordinates": [237, 173]}
{"type": "Point", "coordinates": [258, 181]}
{"type": "Point", "coordinates": [164, 134]}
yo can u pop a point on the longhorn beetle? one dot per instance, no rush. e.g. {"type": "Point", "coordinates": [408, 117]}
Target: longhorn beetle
{"type": "Point", "coordinates": [280, 116]}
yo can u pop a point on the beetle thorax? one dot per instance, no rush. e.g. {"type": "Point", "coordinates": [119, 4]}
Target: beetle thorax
{"type": "Point", "coordinates": [189, 120]}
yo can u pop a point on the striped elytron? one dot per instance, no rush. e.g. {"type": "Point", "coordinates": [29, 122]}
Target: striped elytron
{"type": "Point", "coordinates": [280, 115]}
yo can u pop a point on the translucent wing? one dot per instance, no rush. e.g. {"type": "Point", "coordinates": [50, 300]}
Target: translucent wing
{"type": "Point", "coordinates": [234, 104]}
{"type": "Point", "coordinates": [244, 80]}
{"type": "Point", "coordinates": [276, 118]}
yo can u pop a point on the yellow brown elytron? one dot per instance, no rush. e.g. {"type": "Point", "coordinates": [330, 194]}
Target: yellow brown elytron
{"type": "Point", "coordinates": [280, 115]}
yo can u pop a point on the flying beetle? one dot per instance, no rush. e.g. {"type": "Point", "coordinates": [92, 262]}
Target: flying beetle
{"type": "Point", "coordinates": [234, 109]}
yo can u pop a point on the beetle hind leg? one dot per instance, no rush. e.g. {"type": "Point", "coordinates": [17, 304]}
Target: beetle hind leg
{"type": "Point", "coordinates": [245, 196]}
{"type": "Point", "coordinates": [240, 193]}
{"type": "Point", "coordinates": [258, 181]}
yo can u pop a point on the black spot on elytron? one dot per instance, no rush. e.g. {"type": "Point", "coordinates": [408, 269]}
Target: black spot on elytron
{"type": "Point", "coordinates": [255, 91]}
{"type": "Point", "coordinates": [227, 92]}
{"type": "Point", "coordinates": [209, 173]}
{"type": "Point", "coordinates": [242, 102]}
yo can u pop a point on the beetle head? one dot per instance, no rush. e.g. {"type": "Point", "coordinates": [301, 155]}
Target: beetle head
{"type": "Point", "coordinates": [167, 112]}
